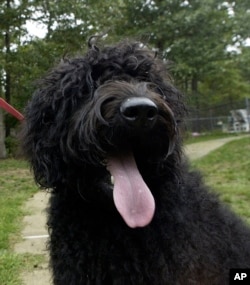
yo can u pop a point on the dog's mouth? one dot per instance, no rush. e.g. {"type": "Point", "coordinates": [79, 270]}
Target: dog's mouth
{"type": "Point", "coordinates": [129, 126]}
{"type": "Point", "coordinates": [132, 197]}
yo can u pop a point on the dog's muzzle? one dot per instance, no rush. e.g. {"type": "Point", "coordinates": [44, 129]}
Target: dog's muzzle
{"type": "Point", "coordinates": [139, 112]}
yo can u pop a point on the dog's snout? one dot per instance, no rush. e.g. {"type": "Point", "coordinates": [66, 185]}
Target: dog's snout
{"type": "Point", "coordinates": [139, 112]}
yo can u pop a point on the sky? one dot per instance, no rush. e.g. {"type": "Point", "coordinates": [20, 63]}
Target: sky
{"type": "Point", "coordinates": [36, 30]}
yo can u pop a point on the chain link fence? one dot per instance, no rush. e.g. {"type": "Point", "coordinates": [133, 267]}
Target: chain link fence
{"type": "Point", "coordinates": [230, 117]}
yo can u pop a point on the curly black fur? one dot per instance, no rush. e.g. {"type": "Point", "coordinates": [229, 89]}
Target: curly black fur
{"type": "Point", "coordinates": [73, 125]}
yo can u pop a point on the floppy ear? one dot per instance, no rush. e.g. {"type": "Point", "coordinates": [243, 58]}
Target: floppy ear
{"type": "Point", "coordinates": [41, 136]}
{"type": "Point", "coordinates": [47, 119]}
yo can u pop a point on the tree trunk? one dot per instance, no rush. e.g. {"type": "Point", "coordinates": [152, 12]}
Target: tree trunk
{"type": "Point", "coordinates": [194, 90]}
{"type": "Point", "coordinates": [3, 153]}
{"type": "Point", "coordinates": [7, 68]}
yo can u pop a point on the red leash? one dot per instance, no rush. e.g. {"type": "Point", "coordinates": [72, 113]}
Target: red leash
{"type": "Point", "coordinates": [7, 107]}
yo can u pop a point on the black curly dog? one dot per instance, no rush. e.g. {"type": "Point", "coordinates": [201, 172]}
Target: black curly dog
{"type": "Point", "coordinates": [103, 131]}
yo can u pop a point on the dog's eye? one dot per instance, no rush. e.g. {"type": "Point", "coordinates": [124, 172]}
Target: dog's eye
{"type": "Point", "coordinates": [47, 118]}
{"type": "Point", "coordinates": [161, 93]}
{"type": "Point", "coordinates": [156, 89]}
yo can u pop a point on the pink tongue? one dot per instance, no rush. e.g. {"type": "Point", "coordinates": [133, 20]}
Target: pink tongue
{"type": "Point", "coordinates": [132, 197]}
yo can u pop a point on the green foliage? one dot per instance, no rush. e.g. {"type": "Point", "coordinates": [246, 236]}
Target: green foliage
{"type": "Point", "coordinates": [242, 63]}
{"type": "Point", "coordinates": [194, 32]}
{"type": "Point", "coordinates": [241, 11]}
{"type": "Point", "coordinates": [227, 84]}
{"type": "Point", "coordinates": [193, 36]}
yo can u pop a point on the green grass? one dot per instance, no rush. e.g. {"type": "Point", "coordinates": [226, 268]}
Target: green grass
{"type": "Point", "coordinates": [16, 186]}
{"type": "Point", "coordinates": [227, 170]}
{"type": "Point", "coordinates": [11, 266]}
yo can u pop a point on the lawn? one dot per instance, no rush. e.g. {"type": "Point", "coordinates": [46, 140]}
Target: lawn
{"type": "Point", "coordinates": [227, 170]}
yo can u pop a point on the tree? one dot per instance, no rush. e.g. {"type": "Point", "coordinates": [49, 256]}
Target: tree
{"type": "Point", "coordinates": [24, 59]}
{"type": "Point", "coordinates": [240, 13]}
{"type": "Point", "coordinates": [192, 35]}
{"type": "Point", "coordinates": [195, 37]}
{"type": "Point", "coordinates": [13, 15]}
{"type": "Point", "coordinates": [70, 24]}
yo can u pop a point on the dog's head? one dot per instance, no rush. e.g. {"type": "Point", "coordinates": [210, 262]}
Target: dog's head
{"type": "Point", "coordinates": [113, 110]}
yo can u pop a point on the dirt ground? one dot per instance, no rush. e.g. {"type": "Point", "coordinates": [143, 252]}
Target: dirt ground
{"type": "Point", "coordinates": [34, 233]}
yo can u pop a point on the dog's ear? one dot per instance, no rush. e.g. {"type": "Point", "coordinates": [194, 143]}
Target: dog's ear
{"type": "Point", "coordinates": [47, 119]}
{"type": "Point", "coordinates": [41, 136]}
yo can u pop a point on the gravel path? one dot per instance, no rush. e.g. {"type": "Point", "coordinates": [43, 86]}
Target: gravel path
{"type": "Point", "coordinates": [35, 233]}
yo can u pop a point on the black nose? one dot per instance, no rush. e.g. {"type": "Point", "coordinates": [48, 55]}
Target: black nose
{"type": "Point", "coordinates": [139, 111]}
